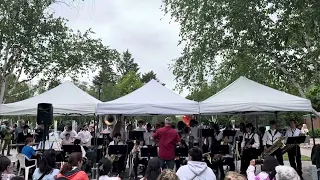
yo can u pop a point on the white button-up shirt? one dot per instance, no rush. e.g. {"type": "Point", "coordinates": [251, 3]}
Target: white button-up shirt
{"type": "Point", "coordinates": [270, 137]}
{"type": "Point", "coordinates": [293, 132]}
{"type": "Point", "coordinates": [256, 141]}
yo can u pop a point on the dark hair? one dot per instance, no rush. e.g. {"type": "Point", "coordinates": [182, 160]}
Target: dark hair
{"type": "Point", "coordinates": [173, 126]}
{"type": "Point", "coordinates": [272, 122]}
{"type": "Point", "coordinates": [242, 126]}
{"type": "Point", "coordinates": [215, 126]}
{"type": "Point", "coordinates": [4, 164]}
{"type": "Point", "coordinates": [77, 142]}
{"type": "Point", "coordinates": [153, 169]}
{"type": "Point", "coordinates": [73, 160]}
{"type": "Point", "coordinates": [48, 160]}
{"type": "Point", "coordinates": [269, 166]}
{"type": "Point", "coordinates": [25, 127]}
{"type": "Point", "coordinates": [186, 130]}
{"type": "Point", "coordinates": [67, 134]}
{"type": "Point", "coordinates": [262, 129]}
{"type": "Point", "coordinates": [105, 166]}
{"type": "Point", "coordinates": [17, 178]}
{"type": "Point", "coordinates": [69, 128]}
{"type": "Point", "coordinates": [29, 140]}
{"type": "Point", "coordinates": [196, 154]}
{"type": "Point", "coordinates": [117, 135]}
{"type": "Point", "coordinates": [193, 122]}
{"type": "Point", "coordinates": [149, 125]}
{"type": "Point", "coordinates": [181, 125]}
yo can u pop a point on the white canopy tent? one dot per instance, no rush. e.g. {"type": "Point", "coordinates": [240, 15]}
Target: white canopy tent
{"type": "Point", "coordinates": [245, 95]}
{"type": "Point", "coordinates": [67, 99]}
{"type": "Point", "coordinates": [151, 99]}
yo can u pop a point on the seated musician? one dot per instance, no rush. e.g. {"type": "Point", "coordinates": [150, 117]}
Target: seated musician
{"type": "Point", "coordinates": [119, 164]}
{"type": "Point", "coordinates": [216, 139]}
{"type": "Point", "coordinates": [29, 152]}
{"type": "Point", "coordinates": [249, 147]}
{"type": "Point", "coordinates": [22, 137]}
{"type": "Point", "coordinates": [67, 140]}
{"type": "Point", "coordinates": [270, 137]}
{"type": "Point", "coordinates": [73, 133]}
{"type": "Point", "coordinates": [140, 128]}
{"type": "Point", "coordinates": [136, 153]}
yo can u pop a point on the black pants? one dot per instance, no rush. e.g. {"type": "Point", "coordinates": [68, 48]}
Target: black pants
{"type": "Point", "coordinates": [136, 162]}
{"type": "Point", "coordinates": [278, 155]}
{"type": "Point", "coordinates": [294, 155]}
{"type": "Point", "coordinates": [247, 156]}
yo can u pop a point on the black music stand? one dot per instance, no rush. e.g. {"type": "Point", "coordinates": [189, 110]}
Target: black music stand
{"type": "Point", "coordinates": [149, 152]}
{"type": "Point", "coordinates": [71, 148]}
{"type": "Point", "coordinates": [229, 133]}
{"type": "Point", "coordinates": [118, 149]}
{"type": "Point", "coordinates": [296, 141]}
{"type": "Point", "coordinates": [207, 132]}
{"type": "Point", "coordinates": [99, 141]}
{"type": "Point", "coordinates": [181, 152]}
{"type": "Point", "coordinates": [136, 135]}
{"type": "Point", "coordinates": [219, 149]}
{"type": "Point", "coordinates": [60, 156]}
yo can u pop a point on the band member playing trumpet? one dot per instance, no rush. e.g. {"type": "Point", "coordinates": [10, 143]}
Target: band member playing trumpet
{"type": "Point", "coordinates": [136, 153]}
{"type": "Point", "coordinates": [270, 137]}
{"type": "Point", "coordinates": [249, 147]}
{"type": "Point", "coordinates": [119, 160]}
{"type": "Point", "coordinates": [294, 153]}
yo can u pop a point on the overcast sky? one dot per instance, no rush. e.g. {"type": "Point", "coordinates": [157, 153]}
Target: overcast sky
{"type": "Point", "coordinates": [137, 25]}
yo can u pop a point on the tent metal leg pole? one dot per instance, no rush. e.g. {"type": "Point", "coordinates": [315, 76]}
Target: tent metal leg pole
{"type": "Point", "coordinates": [312, 127]}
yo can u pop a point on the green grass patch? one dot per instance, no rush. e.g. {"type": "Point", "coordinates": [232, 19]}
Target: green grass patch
{"type": "Point", "coordinates": [303, 158]}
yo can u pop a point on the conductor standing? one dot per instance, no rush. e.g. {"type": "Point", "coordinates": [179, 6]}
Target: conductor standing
{"type": "Point", "coordinates": [167, 139]}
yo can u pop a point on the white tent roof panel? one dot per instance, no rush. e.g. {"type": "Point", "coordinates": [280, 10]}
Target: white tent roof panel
{"type": "Point", "coordinates": [152, 98]}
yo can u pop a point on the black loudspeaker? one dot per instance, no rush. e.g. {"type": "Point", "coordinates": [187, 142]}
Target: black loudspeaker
{"type": "Point", "coordinates": [45, 114]}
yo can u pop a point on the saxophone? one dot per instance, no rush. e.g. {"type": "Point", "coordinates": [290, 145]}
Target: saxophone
{"type": "Point", "coordinates": [276, 145]}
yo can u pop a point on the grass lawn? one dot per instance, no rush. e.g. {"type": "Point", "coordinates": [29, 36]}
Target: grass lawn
{"type": "Point", "coordinates": [303, 158]}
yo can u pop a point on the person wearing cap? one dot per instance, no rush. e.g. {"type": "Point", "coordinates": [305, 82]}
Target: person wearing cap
{"type": "Point", "coordinates": [167, 139]}
{"type": "Point", "coordinates": [249, 147]}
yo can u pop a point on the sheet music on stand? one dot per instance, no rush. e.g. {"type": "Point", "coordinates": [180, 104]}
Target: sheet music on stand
{"type": "Point", "coordinates": [149, 152]}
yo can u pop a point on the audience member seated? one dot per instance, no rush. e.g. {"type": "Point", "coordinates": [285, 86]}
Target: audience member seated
{"type": "Point", "coordinates": [28, 151]}
{"type": "Point", "coordinates": [231, 175]}
{"type": "Point", "coordinates": [168, 174]}
{"type": "Point", "coordinates": [71, 170]}
{"type": "Point", "coordinates": [153, 169]}
{"type": "Point", "coordinates": [268, 170]}
{"type": "Point", "coordinates": [105, 166]}
{"type": "Point", "coordinates": [196, 168]}
{"type": "Point", "coordinates": [47, 167]}
{"type": "Point", "coordinates": [67, 140]}
{"type": "Point", "coordinates": [4, 168]}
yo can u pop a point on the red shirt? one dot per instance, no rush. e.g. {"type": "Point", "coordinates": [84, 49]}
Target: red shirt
{"type": "Point", "coordinates": [167, 140]}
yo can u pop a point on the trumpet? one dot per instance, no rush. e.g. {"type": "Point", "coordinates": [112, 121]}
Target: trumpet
{"type": "Point", "coordinates": [207, 156]}
{"type": "Point", "coordinates": [114, 158]}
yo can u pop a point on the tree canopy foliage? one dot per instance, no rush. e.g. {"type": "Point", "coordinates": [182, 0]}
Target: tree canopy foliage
{"type": "Point", "coordinates": [273, 42]}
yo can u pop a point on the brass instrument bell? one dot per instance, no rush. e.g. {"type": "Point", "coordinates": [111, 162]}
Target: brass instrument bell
{"type": "Point", "coordinates": [110, 120]}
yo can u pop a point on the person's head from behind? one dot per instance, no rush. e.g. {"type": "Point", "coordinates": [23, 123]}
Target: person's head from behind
{"type": "Point", "coordinates": [231, 175]}
{"type": "Point", "coordinates": [192, 123]}
{"type": "Point", "coordinates": [149, 127]}
{"type": "Point", "coordinates": [168, 174]}
{"type": "Point", "coordinates": [75, 160]}
{"type": "Point", "coordinates": [105, 166]}
{"type": "Point", "coordinates": [273, 125]}
{"type": "Point", "coordinates": [168, 121]}
{"type": "Point", "coordinates": [269, 164]}
{"type": "Point", "coordinates": [48, 161]}
{"type": "Point", "coordinates": [4, 164]}
{"type": "Point", "coordinates": [153, 169]}
{"type": "Point", "coordinates": [77, 142]}
{"type": "Point", "coordinates": [180, 125]}
{"type": "Point", "coordinates": [67, 136]}
{"type": "Point", "coordinates": [286, 173]}
{"type": "Point", "coordinates": [195, 154]}
{"type": "Point", "coordinates": [29, 141]}
{"type": "Point", "coordinates": [25, 128]}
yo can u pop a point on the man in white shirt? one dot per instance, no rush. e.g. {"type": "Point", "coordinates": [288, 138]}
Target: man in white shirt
{"type": "Point", "coordinates": [195, 131]}
{"type": "Point", "coordinates": [85, 136]}
{"type": "Point", "coordinates": [148, 136]}
{"type": "Point", "coordinates": [294, 153]}
{"type": "Point", "coordinates": [249, 147]}
{"type": "Point", "coordinates": [270, 137]}
{"type": "Point", "coordinates": [73, 133]}
{"type": "Point", "coordinates": [140, 128]}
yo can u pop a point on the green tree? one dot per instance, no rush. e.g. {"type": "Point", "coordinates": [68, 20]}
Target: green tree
{"type": "Point", "coordinates": [277, 41]}
{"type": "Point", "coordinates": [146, 77]}
{"type": "Point", "coordinates": [128, 83]}
{"type": "Point", "coordinates": [313, 94]}
{"type": "Point", "coordinates": [20, 92]}
{"type": "Point", "coordinates": [33, 42]}
{"type": "Point", "coordinates": [126, 64]}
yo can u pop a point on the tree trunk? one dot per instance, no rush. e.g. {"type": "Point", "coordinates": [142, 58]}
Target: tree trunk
{"type": "Point", "coordinates": [3, 88]}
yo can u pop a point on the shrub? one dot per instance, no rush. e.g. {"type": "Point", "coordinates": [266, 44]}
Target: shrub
{"type": "Point", "coordinates": [315, 134]}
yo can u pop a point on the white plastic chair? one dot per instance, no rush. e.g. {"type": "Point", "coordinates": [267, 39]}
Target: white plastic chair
{"type": "Point", "coordinates": [22, 160]}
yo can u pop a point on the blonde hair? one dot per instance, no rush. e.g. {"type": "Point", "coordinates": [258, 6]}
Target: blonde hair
{"type": "Point", "coordinates": [231, 175]}
{"type": "Point", "coordinates": [168, 174]}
